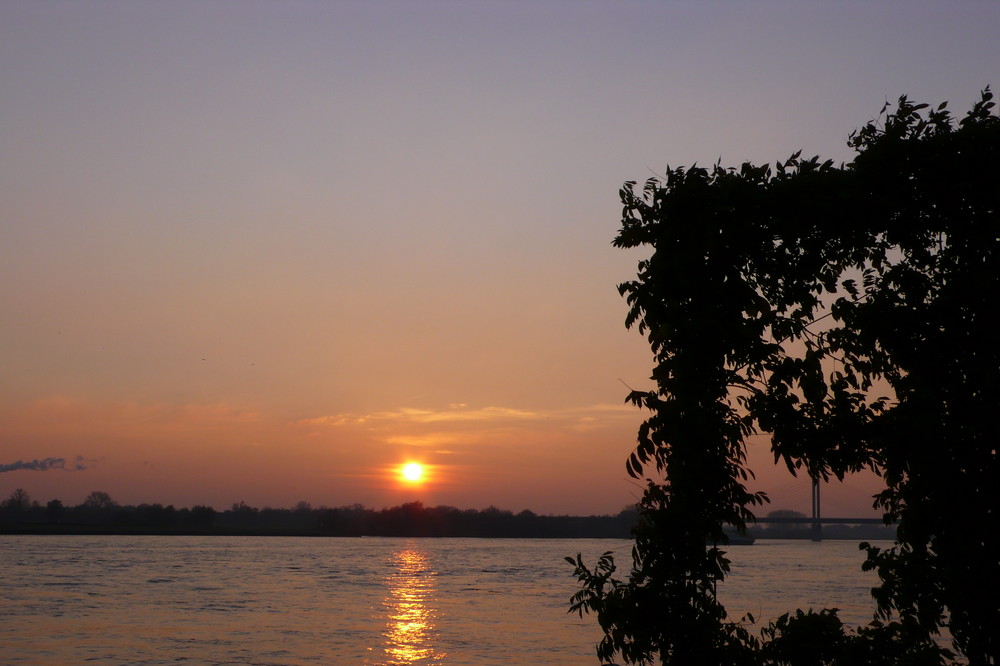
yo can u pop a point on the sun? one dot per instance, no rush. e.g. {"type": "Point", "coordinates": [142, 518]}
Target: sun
{"type": "Point", "coordinates": [412, 472]}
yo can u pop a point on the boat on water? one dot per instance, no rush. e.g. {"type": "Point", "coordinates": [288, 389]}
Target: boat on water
{"type": "Point", "coordinates": [737, 539]}
{"type": "Point", "coordinates": [740, 539]}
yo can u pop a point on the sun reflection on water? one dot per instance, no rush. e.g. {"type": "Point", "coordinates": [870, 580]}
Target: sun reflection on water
{"type": "Point", "coordinates": [410, 620]}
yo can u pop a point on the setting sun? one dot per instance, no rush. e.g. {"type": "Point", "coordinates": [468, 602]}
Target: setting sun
{"type": "Point", "coordinates": [413, 472]}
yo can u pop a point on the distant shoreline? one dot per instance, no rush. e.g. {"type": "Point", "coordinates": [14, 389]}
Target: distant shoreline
{"type": "Point", "coordinates": [95, 530]}
{"type": "Point", "coordinates": [100, 515]}
{"type": "Point", "coordinates": [84, 530]}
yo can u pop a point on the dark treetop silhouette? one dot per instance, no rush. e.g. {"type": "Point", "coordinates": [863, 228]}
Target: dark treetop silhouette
{"type": "Point", "coordinates": [846, 312]}
{"type": "Point", "coordinates": [99, 514]}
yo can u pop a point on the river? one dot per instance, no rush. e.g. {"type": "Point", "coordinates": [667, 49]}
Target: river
{"type": "Point", "coordinates": [260, 600]}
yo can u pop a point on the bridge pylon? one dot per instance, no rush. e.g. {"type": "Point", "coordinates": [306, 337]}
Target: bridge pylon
{"type": "Point", "coordinates": [817, 528]}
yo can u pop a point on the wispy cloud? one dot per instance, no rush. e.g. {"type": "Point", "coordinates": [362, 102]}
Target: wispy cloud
{"type": "Point", "coordinates": [461, 413]}
{"type": "Point", "coordinates": [44, 464]}
{"type": "Point", "coordinates": [471, 433]}
{"type": "Point", "coordinates": [426, 441]}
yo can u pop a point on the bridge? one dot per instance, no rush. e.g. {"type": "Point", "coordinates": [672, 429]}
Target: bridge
{"type": "Point", "coordinates": [824, 521]}
{"type": "Point", "coordinates": [817, 520]}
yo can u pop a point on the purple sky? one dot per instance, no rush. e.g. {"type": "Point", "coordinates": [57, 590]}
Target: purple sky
{"type": "Point", "coordinates": [269, 251]}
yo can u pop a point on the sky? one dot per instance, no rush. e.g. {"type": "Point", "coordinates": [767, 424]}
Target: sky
{"type": "Point", "coordinates": [271, 251]}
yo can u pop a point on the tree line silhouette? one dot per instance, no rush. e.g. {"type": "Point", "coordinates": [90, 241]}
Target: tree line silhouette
{"type": "Point", "coordinates": [100, 514]}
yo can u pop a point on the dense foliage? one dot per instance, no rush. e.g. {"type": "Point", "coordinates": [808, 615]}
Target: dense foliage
{"type": "Point", "coordinates": [845, 311]}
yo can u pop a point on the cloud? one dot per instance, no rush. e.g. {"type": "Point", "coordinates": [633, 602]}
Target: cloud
{"type": "Point", "coordinates": [460, 413]}
{"type": "Point", "coordinates": [489, 434]}
{"type": "Point", "coordinates": [44, 465]}
{"type": "Point", "coordinates": [429, 440]}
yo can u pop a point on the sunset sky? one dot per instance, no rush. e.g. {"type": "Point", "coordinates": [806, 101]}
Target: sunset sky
{"type": "Point", "coordinates": [271, 251]}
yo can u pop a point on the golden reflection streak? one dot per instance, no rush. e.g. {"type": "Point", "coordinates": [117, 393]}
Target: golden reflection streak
{"type": "Point", "coordinates": [409, 628]}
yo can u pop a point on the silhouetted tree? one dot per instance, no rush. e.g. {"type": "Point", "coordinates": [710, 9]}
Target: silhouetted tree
{"type": "Point", "coordinates": [201, 516]}
{"type": "Point", "coordinates": [19, 500]}
{"type": "Point", "coordinates": [97, 507]}
{"type": "Point", "coordinates": [156, 515]}
{"type": "Point", "coordinates": [786, 530]}
{"type": "Point", "coordinates": [99, 500]}
{"type": "Point", "coordinates": [845, 311]}
{"type": "Point", "coordinates": [54, 511]}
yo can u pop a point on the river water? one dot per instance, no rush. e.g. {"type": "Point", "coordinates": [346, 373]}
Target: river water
{"type": "Point", "coordinates": [257, 600]}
